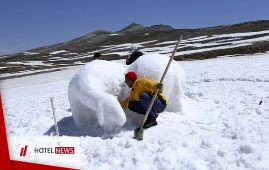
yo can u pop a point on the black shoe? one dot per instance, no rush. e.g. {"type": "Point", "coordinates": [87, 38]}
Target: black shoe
{"type": "Point", "coordinates": [156, 115]}
{"type": "Point", "coordinates": [151, 121]}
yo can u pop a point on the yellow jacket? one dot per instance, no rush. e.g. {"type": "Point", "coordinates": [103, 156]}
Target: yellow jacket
{"type": "Point", "coordinates": [144, 85]}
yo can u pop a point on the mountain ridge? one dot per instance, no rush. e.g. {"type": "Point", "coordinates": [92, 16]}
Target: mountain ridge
{"type": "Point", "coordinates": [112, 45]}
{"type": "Point", "coordinates": [129, 33]}
{"type": "Point", "coordinates": [134, 27]}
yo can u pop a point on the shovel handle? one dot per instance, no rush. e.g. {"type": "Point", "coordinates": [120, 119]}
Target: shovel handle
{"type": "Point", "coordinates": [171, 59]}
{"type": "Point", "coordinates": [161, 81]}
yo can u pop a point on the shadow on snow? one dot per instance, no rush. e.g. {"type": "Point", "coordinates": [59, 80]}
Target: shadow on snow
{"type": "Point", "coordinates": [67, 127]}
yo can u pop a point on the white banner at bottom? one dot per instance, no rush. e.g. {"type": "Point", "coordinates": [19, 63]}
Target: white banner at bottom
{"type": "Point", "coordinates": [46, 150]}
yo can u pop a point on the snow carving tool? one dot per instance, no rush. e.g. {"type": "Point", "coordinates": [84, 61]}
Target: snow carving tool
{"type": "Point", "coordinates": [138, 132]}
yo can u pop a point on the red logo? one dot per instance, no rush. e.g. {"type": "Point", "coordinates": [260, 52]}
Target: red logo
{"type": "Point", "coordinates": [24, 151]}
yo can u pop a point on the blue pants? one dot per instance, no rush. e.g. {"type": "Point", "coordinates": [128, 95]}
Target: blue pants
{"type": "Point", "coordinates": [141, 106]}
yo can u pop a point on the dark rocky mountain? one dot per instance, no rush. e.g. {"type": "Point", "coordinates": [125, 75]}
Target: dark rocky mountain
{"type": "Point", "coordinates": [111, 44]}
{"type": "Point", "coordinates": [132, 27]}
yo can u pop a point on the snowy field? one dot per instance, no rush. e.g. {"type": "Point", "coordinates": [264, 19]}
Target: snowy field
{"type": "Point", "coordinates": [222, 125]}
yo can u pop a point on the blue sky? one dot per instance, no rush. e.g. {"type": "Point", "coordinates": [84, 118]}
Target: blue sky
{"type": "Point", "coordinates": [27, 24]}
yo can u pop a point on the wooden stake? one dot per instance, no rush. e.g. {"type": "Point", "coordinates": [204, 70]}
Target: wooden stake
{"type": "Point", "coordinates": [55, 122]}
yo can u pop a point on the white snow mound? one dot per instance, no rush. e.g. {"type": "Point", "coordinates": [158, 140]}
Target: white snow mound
{"type": "Point", "coordinates": [92, 95]}
{"type": "Point", "coordinates": [153, 66]}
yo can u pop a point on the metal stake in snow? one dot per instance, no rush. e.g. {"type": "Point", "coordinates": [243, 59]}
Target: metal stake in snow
{"type": "Point", "coordinates": [55, 122]}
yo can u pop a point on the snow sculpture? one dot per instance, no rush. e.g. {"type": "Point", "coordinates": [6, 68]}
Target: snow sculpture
{"type": "Point", "coordinates": [92, 95]}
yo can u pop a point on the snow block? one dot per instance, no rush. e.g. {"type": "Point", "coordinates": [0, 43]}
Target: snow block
{"type": "Point", "coordinates": [92, 93]}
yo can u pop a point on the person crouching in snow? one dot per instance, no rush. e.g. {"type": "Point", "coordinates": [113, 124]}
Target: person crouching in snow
{"type": "Point", "coordinates": [141, 95]}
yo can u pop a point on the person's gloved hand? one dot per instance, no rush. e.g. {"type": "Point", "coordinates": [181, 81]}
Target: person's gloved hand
{"type": "Point", "coordinates": [160, 87]}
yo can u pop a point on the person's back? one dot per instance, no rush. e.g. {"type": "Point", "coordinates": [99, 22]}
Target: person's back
{"type": "Point", "coordinates": [146, 85]}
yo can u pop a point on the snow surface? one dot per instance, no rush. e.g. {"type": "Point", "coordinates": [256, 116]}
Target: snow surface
{"type": "Point", "coordinates": [31, 63]}
{"type": "Point", "coordinates": [57, 52]}
{"type": "Point", "coordinates": [96, 89]}
{"type": "Point", "coordinates": [222, 127]}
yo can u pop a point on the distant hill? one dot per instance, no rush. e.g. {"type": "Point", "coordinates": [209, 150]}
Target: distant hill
{"type": "Point", "coordinates": [202, 43]}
